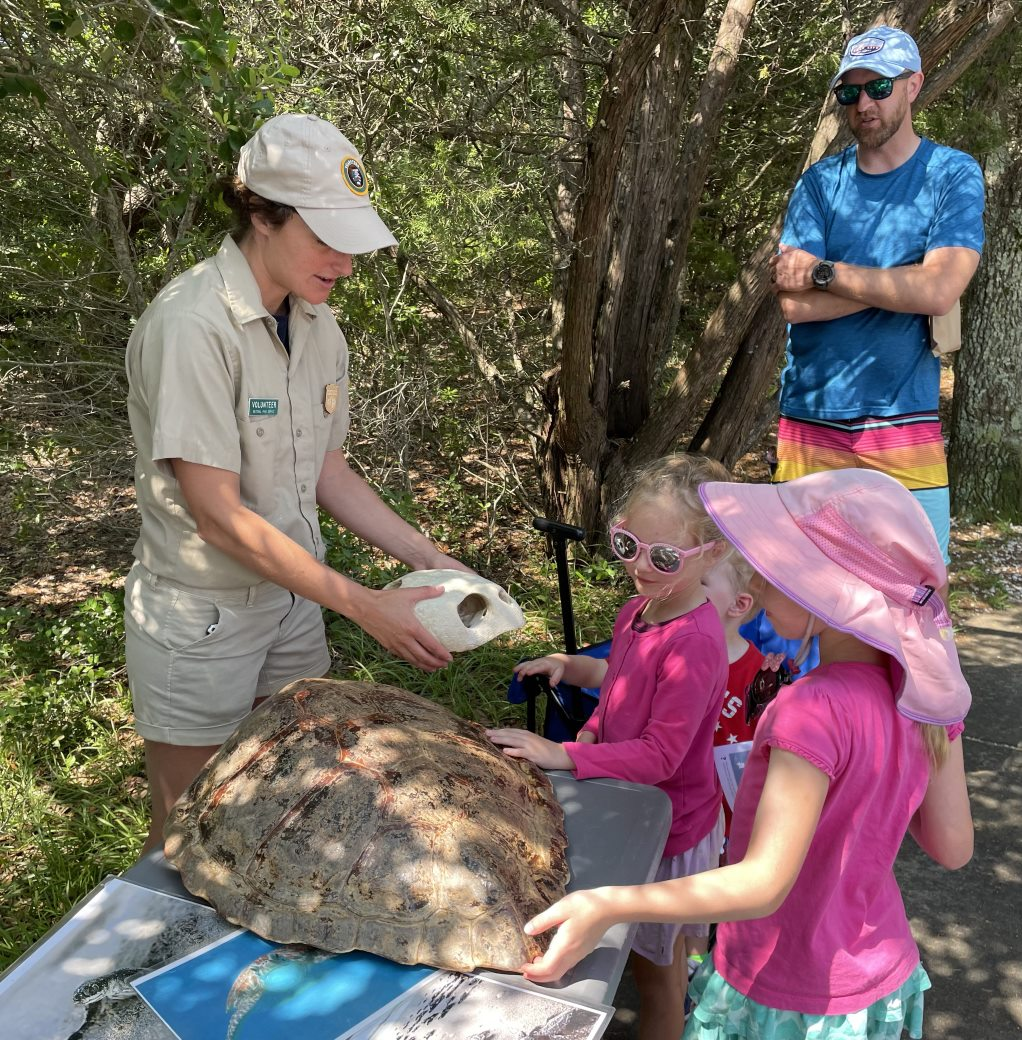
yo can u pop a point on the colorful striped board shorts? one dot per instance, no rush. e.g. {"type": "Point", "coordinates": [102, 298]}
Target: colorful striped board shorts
{"type": "Point", "coordinates": [908, 447]}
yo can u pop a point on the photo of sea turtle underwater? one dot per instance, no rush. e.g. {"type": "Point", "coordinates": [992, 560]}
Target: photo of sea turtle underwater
{"type": "Point", "coordinates": [247, 988]}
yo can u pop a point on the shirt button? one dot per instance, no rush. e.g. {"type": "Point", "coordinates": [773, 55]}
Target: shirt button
{"type": "Point", "coordinates": [303, 489]}
{"type": "Point", "coordinates": [259, 431]}
{"type": "Point", "coordinates": [298, 433]}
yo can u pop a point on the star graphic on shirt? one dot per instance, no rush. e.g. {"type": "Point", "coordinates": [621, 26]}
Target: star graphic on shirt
{"type": "Point", "coordinates": [732, 739]}
{"type": "Point", "coordinates": [716, 728]}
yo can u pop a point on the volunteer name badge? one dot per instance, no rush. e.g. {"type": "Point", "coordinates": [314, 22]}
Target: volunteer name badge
{"type": "Point", "coordinates": [262, 406]}
{"type": "Point", "coordinates": [331, 395]}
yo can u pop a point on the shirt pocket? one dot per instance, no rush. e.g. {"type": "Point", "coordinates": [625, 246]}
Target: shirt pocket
{"type": "Point", "coordinates": [266, 461]}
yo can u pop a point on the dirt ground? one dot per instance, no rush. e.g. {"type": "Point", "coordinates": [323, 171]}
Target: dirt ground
{"type": "Point", "coordinates": [71, 531]}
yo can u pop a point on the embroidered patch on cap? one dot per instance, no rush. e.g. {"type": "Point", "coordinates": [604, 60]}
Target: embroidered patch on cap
{"type": "Point", "coordinates": [354, 175]}
{"type": "Point", "coordinates": [868, 46]}
{"type": "Point", "coordinates": [262, 406]}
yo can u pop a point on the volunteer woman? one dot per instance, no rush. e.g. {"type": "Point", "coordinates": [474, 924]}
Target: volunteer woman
{"type": "Point", "coordinates": [238, 401]}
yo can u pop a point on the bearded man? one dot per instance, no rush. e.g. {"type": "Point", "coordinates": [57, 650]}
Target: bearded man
{"type": "Point", "coordinates": [877, 240]}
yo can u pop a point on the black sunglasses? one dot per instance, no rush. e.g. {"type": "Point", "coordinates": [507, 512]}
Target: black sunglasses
{"type": "Point", "coordinates": [763, 689]}
{"type": "Point", "coordinates": [877, 89]}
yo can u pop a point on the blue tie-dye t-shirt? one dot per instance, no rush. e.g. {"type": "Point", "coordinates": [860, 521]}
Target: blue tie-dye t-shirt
{"type": "Point", "coordinates": [875, 362]}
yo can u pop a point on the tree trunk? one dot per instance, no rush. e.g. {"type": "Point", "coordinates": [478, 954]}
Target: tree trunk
{"type": "Point", "coordinates": [570, 167]}
{"type": "Point", "coordinates": [986, 422]}
{"type": "Point", "coordinates": [735, 414]}
{"type": "Point", "coordinates": [645, 235]}
{"type": "Point", "coordinates": [635, 218]}
{"type": "Point", "coordinates": [578, 394]}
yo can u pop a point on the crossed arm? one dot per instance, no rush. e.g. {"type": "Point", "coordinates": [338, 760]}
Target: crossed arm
{"type": "Point", "coordinates": [931, 287]}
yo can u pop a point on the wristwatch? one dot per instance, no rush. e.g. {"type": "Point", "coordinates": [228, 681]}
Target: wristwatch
{"type": "Point", "coordinates": [823, 274]}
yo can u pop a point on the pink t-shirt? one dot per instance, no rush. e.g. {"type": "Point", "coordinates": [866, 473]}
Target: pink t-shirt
{"type": "Point", "coordinates": [841, 939]}
{"type": "Point", "coordinates": [659, 704]}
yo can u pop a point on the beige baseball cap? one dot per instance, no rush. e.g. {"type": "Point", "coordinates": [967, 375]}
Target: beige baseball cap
{"type": "Point", "coordinates": [306, 162]}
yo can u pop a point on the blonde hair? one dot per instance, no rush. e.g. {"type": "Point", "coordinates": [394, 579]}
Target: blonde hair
{"type": "Point", "coordinates": [936, 742]}
{"type": "Point", "coordinates": [678, 477]}
{"type": "Point", "coordinates": [741, 572]}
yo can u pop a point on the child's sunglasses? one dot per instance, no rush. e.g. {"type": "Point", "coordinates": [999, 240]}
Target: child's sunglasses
{"type": "Point", "coordinates": [876, 89]}
{"type": "Point", "coordinates": [666, 558]}
{"type": "Point", "coordinates": [763, 689]}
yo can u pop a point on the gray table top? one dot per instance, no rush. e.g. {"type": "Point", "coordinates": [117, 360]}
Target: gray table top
{"type": "Point", "coordinates": [616, 834]}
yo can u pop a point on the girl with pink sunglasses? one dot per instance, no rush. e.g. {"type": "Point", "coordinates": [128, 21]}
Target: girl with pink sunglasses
{"type": "Point", "coordinates": [660, 696]}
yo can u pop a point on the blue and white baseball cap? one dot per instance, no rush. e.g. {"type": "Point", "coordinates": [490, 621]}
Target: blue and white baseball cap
{"type": "Point", "coordinates": [884, 49]}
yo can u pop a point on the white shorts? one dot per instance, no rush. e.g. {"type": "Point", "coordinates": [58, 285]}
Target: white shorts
{"type": "Point", "coordinates": [199, 658]}
{"type": "Point", "coordinates": [655, 940]}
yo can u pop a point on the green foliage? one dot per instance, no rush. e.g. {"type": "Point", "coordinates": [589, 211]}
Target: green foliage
{"type": "Point", "coordinates": [65, 678]}
{"type": "Point", "coordinates": [129, 110]}
{"type": "Point", "coordinates": [71, 808]}
{"type": "Point", "coordinates": [118, 117]}
{"type": "Point", "coordinates": [981, 113]}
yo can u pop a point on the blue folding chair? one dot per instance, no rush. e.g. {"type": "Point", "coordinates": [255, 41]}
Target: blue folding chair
{"type": "Point", "coordinates": [566, 707]}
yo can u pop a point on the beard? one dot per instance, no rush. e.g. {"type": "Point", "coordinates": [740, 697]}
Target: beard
{"type": "Point", "coordinates": [877, 134]}
{"type": "Point", "coordinates": [874, 136]}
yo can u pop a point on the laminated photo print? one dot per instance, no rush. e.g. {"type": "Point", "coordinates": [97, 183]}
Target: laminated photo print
{"type": "Point", "coordinates": [76, 982]}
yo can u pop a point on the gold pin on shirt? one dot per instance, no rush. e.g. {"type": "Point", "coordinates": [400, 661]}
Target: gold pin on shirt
{"type": "Point", "coordinates": [331, 395]}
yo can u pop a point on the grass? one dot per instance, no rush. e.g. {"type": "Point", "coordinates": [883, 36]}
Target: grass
{"type": "Point", "coordinates": [71, 795]}
{"type": "Point", "coordinates": [977, 582]}
{"type": "Point", "coordinates": [986, 570]}
{"type": "Point", "coordinates": [72, 789]}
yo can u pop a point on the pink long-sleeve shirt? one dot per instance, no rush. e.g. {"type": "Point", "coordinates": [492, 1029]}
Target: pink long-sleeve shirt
{"type": "Point", "coordinates": [659, 704]}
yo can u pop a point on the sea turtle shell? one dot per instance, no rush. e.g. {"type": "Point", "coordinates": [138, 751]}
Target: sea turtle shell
{"type": "Point", "coordinates": [352, 815]}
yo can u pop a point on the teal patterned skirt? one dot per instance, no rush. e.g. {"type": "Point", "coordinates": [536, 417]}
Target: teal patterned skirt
{"type": "Point", "coordinates": [722, 1013]}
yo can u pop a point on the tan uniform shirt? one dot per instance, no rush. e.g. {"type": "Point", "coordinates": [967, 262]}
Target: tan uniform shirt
{"type": "Point", "coordinates": [211, 383]}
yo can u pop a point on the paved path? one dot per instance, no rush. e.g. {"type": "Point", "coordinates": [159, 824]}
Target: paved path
{"type": "Point", "coordinates": [968, 923]}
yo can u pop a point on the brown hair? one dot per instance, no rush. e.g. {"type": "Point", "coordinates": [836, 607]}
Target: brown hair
{"type": "Point", "coordinates": [678, 477]}
{"type": "Point", "coordinates": [244, 203]}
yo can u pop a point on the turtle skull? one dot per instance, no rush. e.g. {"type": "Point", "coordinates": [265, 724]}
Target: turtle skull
{"type": "Point", "coordinates": [471, 611]}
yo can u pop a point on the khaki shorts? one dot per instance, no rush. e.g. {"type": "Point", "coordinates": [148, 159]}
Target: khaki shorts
{"type": "Point", "coordinates": [198, 658]}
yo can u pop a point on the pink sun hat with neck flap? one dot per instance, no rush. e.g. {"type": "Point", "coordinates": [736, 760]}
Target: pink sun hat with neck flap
{"type": "Point", "coordinates": [856, 549]}
{"type": "Point", "coordinates": [306, 162]}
